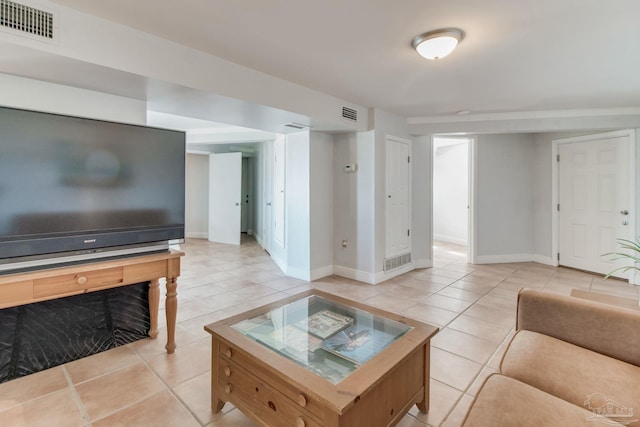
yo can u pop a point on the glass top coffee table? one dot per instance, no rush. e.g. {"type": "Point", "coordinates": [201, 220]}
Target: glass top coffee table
{"type": "Point", "coordinates": [316, 359]}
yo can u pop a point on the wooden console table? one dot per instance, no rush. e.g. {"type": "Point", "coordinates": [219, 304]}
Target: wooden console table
{"type": "Point", "coordinates": [51, 283]}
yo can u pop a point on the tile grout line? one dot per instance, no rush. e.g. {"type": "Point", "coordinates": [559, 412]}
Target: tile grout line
{"type": "Point", "coordinates": [76, 397]}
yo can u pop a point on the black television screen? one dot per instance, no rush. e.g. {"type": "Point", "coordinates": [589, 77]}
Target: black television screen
{"type": "Point", "coordinates": [74, 184]}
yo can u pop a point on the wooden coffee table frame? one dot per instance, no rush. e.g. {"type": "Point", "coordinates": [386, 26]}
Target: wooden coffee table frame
{"type": "Point", "coordinates": [274, 390]}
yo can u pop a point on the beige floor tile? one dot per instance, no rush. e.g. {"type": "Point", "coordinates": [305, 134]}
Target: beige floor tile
{"type": "Point", "coordinates": [58, 409]}
{"type": "Point", "coordinates": [201, 291]}
{"type": "Point", "coordinates": [112, 392]}
{"type": "Point", "coordinates": [462, 294]}
{"type": "Point", "coordinates": [498, 302]}
{"type": "Point", "coordinates": [284, 283]}
{"type": "Point", "coordinates": [185, 363]}
{"type": "Point", "coordinates": [149, 348]}
{"type": "Point", "coordinates": [492, 314]}
{"type": "Point", "coordinates": [456, 417]}
{"type": "Point", "coordinates": [490, 331]}
{"type": "Point", "coordinates": [442, 398]}
{"type": "Point", "coordinates": [160, 409]}
{"type": "Point", "coordinates": [410, 421]}
{"type": "Point", "coordinates": [254, 291]}
{"type": "Point", "coordinates": [430, 314]}
{"type": "Point", "coordinates": [196, 308]}
{"type": "Point", "coordinates": [196, 396]}
{"type": "Point", "coordinates": [394, 305]}
{"type": "Point", "coordinates": [23, 389]}
{"type": "Point", "coordinates": [479, 288]}
{"type": "Point", "coordinates": [233, 418]}
{"type": "Point", "coordinates": [474, 304]}
{"type": "Point", "coordinates": [453, 370]}
{"type": "Point", "coordinates": [465, 345]}
{"type": "Point", "coordinates": [448, 303]}
{"type": "Point", "coordinates": [101, 363]}
{"type": "Point", "coordinates": [401, 291]}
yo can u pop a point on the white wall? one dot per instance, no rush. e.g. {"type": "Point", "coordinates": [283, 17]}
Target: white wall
{"type": "Point", "coordinates": [85, 40]}
{"type": "Point", "coordinates": [321, 204]}
{"type": "Point", "coordinates": [360, 200]}
{"type": "Point", "coordinates": [451, 189]}
{"type": "Point", "coordinates": [297, 205]}
{"type": "Point", "coordinates": [422, 251]}
{"type": "Point", "coordinates": [542, 191]}
{"type": "Point", "coordinates": [504, 205]}
{"type": "Point", "coordinates": [385, 124]}
{"type": "Point", "coordinates": [19, 92]}
{"type": "Point", "coordinates": [353, 215]}
{"type": "Point", "coordinates": [197, 196]}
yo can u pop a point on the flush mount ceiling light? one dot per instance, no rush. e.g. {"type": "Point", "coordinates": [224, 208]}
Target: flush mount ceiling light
{"type": "Point", "coordinates": [437, 44]}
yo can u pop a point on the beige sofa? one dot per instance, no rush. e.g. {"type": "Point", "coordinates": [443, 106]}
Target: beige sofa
{"type": "Point", "coordinates": [572, 362]}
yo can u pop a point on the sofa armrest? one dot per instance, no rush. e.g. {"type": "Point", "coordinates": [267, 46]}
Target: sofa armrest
{"type": "Point", "coordinates": [602, 328]}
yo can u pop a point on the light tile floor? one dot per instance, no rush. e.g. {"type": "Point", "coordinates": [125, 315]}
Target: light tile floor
{"type": "Point", "coordinates": [140, 385]}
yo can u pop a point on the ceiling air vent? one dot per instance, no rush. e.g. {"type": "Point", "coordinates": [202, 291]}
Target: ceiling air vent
{"type": "Point", "coordinates": [26, 19]}
{"type": "Point", "coordinates": [297, 126]}
{"type": "Point", "coordinates": [350, 114]}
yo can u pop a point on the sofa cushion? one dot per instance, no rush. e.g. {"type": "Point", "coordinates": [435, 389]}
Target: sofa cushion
{"type": "Point", "coordinates": [503, 401]}
{"type": "Point", "coordinates": [585, 378]}
{"type": "Point", "coordinates": [603, 328]}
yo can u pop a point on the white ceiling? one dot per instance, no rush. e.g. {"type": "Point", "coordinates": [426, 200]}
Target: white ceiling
{"type": "Point", "coordinates": [517, 55]}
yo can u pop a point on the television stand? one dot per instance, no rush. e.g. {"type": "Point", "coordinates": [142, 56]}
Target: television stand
{"type": "Point", "coordinates": [29, 287]}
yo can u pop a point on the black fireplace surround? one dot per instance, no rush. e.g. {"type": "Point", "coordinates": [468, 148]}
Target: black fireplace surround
{"type": "Point", "coordinates": [42, 335]}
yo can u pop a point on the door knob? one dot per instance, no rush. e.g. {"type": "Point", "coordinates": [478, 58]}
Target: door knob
{"type": "Point", "coordinates": [624, 212]}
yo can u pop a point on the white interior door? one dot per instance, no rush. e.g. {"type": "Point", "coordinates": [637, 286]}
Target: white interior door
{"type": "Point", "coordinates": [225, 181]}
{"type": "Point", "coordinates": [398, 217]}
{"type": "Point", "coordinates": [594, 206]}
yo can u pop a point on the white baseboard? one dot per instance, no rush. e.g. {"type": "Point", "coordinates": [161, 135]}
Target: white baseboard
{"type": "Point", "coordinates": [299, 274]}
{"type": "Point", "coordinates": [321, 272]}
{"type": "Point", "coordinates": [423, 263]}
{"type": "Point", "coordinates": [503, 259]}
{"type": "Point", "coordinates": [547, 260]}
{"type": "Point", "coordinates": [450, 239]}
{"type": "Point", "coordinates": [259, 240]}
{"type": "Point", "coordinates": [350, 273]}
{"type": "Point", "coordinates": [382, 276]}
{"type": "Point", "coordinates": [196, 235]}
{"type": "Point", "coordinates": [280, 263]}
{"type": "Point", "coordinates": [374, 278]}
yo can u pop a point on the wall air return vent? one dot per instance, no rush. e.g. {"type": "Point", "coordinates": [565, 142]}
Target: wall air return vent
{"type": "Point", "coordinates": [350, 114]}
{"type": "Point", "coordinates": [397, 261]}
{"type": "Point", "coordinates": [26, 19]}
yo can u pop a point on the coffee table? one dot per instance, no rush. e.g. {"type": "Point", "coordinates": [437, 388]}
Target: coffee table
{"type": "Point", "coordinates": [316, 359]}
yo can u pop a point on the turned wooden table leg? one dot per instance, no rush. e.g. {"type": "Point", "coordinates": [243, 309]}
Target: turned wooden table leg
{"type": "Point", "coordinates": [216, 403]}
{"type": "Point", "coordinates": [171, 308]}
{"type": "Point", "coordinates": [154, 303]}
{"type": "Point", "coordinates": [423, 406]}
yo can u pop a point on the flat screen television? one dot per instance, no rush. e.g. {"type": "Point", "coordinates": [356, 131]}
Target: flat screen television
{"type": "Point", "coordinates": [74, 188]}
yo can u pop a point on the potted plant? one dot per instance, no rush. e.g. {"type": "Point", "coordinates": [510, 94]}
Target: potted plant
{"type": "Point", "coordinates": [632, 254]}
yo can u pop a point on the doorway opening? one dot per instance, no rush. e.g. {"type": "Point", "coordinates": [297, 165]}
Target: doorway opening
{"type": "Point", "coordinates": [451, 200]}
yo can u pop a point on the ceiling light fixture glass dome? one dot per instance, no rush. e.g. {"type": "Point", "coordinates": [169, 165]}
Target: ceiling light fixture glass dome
{"type": "Point", "coordinates": [437, 44]}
